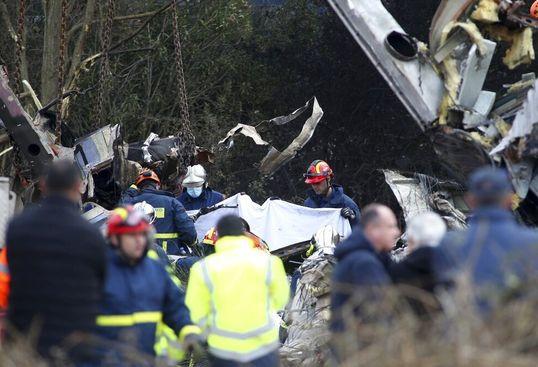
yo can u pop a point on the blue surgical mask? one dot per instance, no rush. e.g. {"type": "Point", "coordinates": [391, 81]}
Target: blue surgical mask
{"type": "Point", "coordinates": [194, 192]}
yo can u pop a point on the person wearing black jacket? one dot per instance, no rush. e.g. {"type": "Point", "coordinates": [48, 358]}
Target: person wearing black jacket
{"type": "Point", "coordinates": [57, 265]}
{"type": "Point", "coordinates": [416, 271]}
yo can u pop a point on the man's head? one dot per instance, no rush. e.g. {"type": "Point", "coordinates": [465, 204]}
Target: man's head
{"type": "Point", "coordinates": [490, 187]}
{"type": "Point", "coordinates": [195, 180]}
{"type": "Point", "coordinates": [426, 229]}
{"type": "Point", "coordinates": [230, 225]}
{"type": "Point", "coordinates": [319, 175]}
{"type": "Point", "coordinates": [148, 179]}
{"type": "Point", "coordinates": [128, 230]}
{"type": "Point", "coordinates": [63, 178]}
{"type": "Point", "coordinates": [380, 227]}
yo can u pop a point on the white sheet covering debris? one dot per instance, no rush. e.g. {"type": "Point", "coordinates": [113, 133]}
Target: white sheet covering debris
{"type": "Point", "coordinates": [278, 222]}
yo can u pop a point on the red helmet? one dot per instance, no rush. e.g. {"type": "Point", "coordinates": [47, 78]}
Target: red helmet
{"type": "Point", "coordinates": [317, 172]}
{"type": "Point", "coordinates": [147, 175]}
{"type": "Point", "coordinates": [127, 219]}
{"type": "Point", "coordinates": [211, 237]}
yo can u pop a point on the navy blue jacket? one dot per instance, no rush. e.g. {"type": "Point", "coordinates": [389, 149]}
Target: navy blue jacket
{"type": "Point", "coordinates": [337, 200]}
{"type": "Point", "coordinates": [208, 198]}
{"type": "Point", "coordinates": [495, 248]}
{"type": "Point", "coordinates": [140, 293]}
{"type": "Point", "coordinates": [175, 230]}
{"type": "Point", "coordinates": [359, 265]}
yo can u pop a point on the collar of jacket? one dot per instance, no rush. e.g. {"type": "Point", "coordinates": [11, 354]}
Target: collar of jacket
{"type": "Point", "coordinates": [357, 241]}
{"type": "Point", "coordinates": [61, 201]}
{"type": "Point", "coordinates": [491, 213]}
{"type": "Point", "coordinates": [335, 198]}
{"type": "Point", "coordinates": [229, 243]}
{"type": "Point", "coordinates": [156, 192]}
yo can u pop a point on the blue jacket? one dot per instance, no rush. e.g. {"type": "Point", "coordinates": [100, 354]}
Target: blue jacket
{"type": "Point", "coordinates": [206, 199]}
{"type": "Point", "coordinates": [358, 266]}
{"type": "Point", "coordinates": [495, 248]}
{"type": "Point", "coordinates": [136, 298]}
{"type": "Point", "coordinates": [175, 230]}
{"type": "Point", "coordinates": [337, 200]}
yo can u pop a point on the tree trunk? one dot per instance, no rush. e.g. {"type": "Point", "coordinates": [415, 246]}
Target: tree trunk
{"type": "Point", "coordinates": [51, 45]}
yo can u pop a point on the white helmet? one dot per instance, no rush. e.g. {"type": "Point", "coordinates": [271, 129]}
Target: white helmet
{"type": "Point", "coordinates": [195, 177]}
{"type": "Point", "coordinates": [147, 209]}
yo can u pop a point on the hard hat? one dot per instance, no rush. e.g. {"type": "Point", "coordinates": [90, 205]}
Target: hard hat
{"type": "Point", "coordinates": [317, 172]}
{"type": "Point", "coordinates": [195, 177]}
{"type": "Point", "coordinates": [211, 237]}
{"type": "Point", "coordinates": [126, 219]}
{"type": "Point", "coordinates": [147, 175]}
{"type": "Point", "coordinates": [147, 209]}
{"type": "Point", "coordinates": [534, 10]}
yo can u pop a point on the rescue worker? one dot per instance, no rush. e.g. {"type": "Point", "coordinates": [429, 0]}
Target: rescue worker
{"type": "Point", "coordinates": [196, 193]}
{"type": "Point", "coordinates": [211, 237]}
{"type": "Point", "coordinates": [175, 230]}
{"type": "Point", "coordinates": [498, 253]}
{"type": "Point", "coordinates": [325, 194]}
{"type": "Point", "coordinates": [57, 263]}
{"type": "Point", "coordinates": [234, 295]}
{"type": "Point", "coordinates": [138, 294]}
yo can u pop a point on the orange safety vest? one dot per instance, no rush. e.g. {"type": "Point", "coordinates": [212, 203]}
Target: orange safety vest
{"type": "Point", "coordinates": [4, 280]}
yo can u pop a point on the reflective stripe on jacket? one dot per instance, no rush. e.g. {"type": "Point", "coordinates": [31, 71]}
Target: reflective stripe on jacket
{"type": "Point", "coordinates": [234, 295]}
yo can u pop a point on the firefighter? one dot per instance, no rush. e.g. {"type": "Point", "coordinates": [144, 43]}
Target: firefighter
{"type": "Point", "coordinates": [196, 193]}
{"type": "Point", "coordinates": [325, 194]}
{"type": "Point", "coordinates": [234, 295]}
{"type": "Point", "coordinates": [175, 230]}
{"type": "Point", "coordinates": [138, 294]}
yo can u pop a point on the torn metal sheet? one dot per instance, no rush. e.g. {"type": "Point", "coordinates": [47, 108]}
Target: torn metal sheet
{"type": "Point", "coordinates": [411, 77]}
{"type": "Point", "coordinates": [447, 12]}
{"type": "Point", "coordinates": [409, 194]}
{"type": "Point", "coordinates": [473, 73]}
{"type": "Point", "coordinates": [281, 120]}
{"type": "Point", "coordinates": [521, 174]}
{"type": "Point", "coordinates": [33, 142]}
{"type": "Point", "coordinates": [95, 150]}
{"type": "Point", "coordinates": [246, 130]}
{"type": "Point", "coordinates": [480, 112]}
{"type": "Point", "coordinates": [523, 124]}
{"type": "Point", "coordinates": [145, 146]}
{"type": "Point", "coordinates": [275, 160]}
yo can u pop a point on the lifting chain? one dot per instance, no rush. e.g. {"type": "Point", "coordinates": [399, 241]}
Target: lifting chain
{"type": "Point", "coordinates": [187, 144]}
{"type": "Point", "coordinates": [17, 78]}
{"type": "Point", "coordinates": [104, 70]}
{"type": "Point", "coordinates": [61, 69]}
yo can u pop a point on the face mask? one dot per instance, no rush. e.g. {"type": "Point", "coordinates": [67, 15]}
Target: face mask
{"type": "Point", "coordinates": [194, 192]}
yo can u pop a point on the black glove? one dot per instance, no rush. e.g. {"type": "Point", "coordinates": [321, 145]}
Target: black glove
{"type": "Point", "coordinates": [194, 344]}
{"type": "Point", "coordinates": [348, 213]}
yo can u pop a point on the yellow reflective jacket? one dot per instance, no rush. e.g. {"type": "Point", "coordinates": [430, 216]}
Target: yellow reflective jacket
{"type": "Point", "coordinates": [234, 295]}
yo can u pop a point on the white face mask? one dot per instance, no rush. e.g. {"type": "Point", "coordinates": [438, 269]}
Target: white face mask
{"type": "Point", "coordinates": [194, 192]}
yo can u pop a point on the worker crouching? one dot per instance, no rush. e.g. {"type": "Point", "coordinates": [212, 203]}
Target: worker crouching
{"type": "Point", "coordinates": [138, 295]}
{"type": "Point", "coordinates": [234, 294]}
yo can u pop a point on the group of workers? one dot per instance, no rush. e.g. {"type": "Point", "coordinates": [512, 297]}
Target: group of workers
{"type": "Point", "coordinates": [114, 300]}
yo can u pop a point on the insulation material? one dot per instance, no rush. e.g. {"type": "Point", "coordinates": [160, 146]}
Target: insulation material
{"type": "Point", "coordinates": [521, 50]}
{"type": "Point", "coordinates": [487, 11]}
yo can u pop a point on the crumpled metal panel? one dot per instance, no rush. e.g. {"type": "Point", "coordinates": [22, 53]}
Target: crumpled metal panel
{"type": "Point", "coordinates": [412, 199]}
{"type": "Point", "coordinates": [414, 81]}
{"type": "Point", "coordinates": [96, 150]}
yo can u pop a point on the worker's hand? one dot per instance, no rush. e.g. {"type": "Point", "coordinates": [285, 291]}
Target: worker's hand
{"type": "Point", "coordinates": [348, 213]}
{"type": "Point", "coordinates": [194, 344]}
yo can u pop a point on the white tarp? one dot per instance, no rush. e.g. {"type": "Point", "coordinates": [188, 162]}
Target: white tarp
{"type": "Point", "coordinates": [277, 222]}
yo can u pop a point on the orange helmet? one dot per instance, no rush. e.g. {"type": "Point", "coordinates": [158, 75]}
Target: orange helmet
{"type": "Point", "coordinates": [317, 172]}
{"type": "Point", "coordinates": [534, 10]}
{"type": "Point", "coordinates": [211, 237]}
{"type": "Point", "coordinates": [147, 175]}
{"type": "Point", "coordinates": [126, 219]}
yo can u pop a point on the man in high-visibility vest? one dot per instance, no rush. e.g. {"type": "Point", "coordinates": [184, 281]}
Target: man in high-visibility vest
{"type": "Point", "coordinates": [139, 294]}
{"type": "Point", "coordinates": [175, 230]}
{"type": "Point", "coordinates": [234, 294]}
